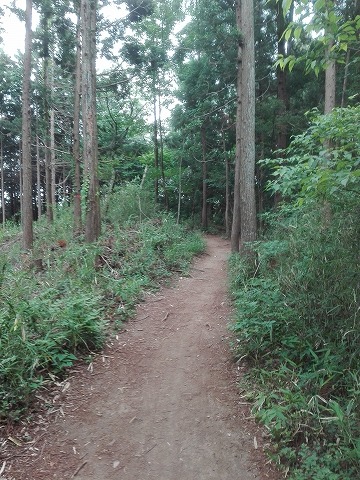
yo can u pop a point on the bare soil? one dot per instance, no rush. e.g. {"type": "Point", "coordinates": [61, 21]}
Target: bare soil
{"type": "Point", "coordinates": [160, 403]}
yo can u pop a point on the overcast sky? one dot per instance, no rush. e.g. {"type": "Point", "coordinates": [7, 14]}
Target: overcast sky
{"type": "Point", "coordinates": [14, 30]}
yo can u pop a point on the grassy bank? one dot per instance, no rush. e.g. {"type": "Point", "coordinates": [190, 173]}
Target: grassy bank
{"type": "Point", "coordinates": [60, 302]}
{"type": "Point", "coordinates": [297, 328]}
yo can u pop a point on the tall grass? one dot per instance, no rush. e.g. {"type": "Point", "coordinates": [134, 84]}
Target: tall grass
{"type": "Point", "coordinates": [298, 314]}
{"type": "Point", "coordinates": [59, 303]}
{"type": "Point", "coordinates": [297, 325]}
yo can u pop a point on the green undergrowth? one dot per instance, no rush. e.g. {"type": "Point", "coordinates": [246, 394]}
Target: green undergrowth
{"type": "Point", "coordinates": [59, 303]}
{"type": "Point", "coordinates": [298, 307]}
{"type": "Point", "coordinates": [297, 327]}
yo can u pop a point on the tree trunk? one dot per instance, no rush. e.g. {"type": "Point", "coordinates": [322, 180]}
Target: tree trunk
{"type": "Point", "coordinates": [227, 187]}
{"type": "Point", "coordinates": [162, 168]}
{"type": "Point", "coordinates": [90, 142]}
{"type": "Point", "coordinates": [204, 210]}
{"type": "Point", "coordinates": [52, 155]}
{"type": "Point", "coordinates": [227, 198]}
{"type": "Point", "coordinates": [38, 178]}
{"type": "Point", "coordinates": [179, 191]}
{"type": "Point", "coordinates": [76, 134]}
{"type": "Point", "coordinates": [330, 81]}
{"type": "Point", "coordinates": [2, 182]}
{"type": "Point", "coordinates": [247, 133]}
{"type": "Point", "coordinates": [281, 73]}
{"type": "Point", "coordinates": [236, 224]}
{"type": "Point", "coordinates": [345, 79]}
{"type": "Point", "coordinates": [27, 210]}
{"type": "Point", "coordinates": [156, 146]}
{"type": "Point", "coordinates": [282, 91]}
{"type": "Point", "coordinates": [47, 94]}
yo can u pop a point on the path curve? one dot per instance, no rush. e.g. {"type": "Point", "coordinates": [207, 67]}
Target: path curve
{"type": "Point", "coordinates": [161, 403]}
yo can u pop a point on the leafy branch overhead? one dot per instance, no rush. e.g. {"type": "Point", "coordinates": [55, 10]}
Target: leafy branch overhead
{"type": "Point", "coordinates": [324, 26]}
{"type": "Point", "coordinates": [309, 170]}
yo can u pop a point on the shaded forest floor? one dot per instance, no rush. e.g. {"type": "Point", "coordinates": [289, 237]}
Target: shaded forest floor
{"type": "Point", "coordinates": [161, 402]}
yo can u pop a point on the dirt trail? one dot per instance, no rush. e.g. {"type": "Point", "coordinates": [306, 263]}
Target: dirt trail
{"type": "Point", "coordinates": [162, 402]}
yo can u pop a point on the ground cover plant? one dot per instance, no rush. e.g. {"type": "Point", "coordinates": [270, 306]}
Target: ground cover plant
{"type": "Point", "coordinates": [60, 302]}
{"type": "Point", "coordinates": [297, 320]}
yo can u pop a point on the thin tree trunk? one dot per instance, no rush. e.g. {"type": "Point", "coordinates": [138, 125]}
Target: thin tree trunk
{"type": "Point", "coordinates": [38, 177]}
{"type": "Point", "coordinates": [52, 155]}
{"type": "Point", "coordinates": [156, 146]}
{"type": "Point", "coordinates": [161, 141]}
{"type": "Point", "coordinates": [260, 183]}
{"type": "Point", "coordinates": [144, 177]}
{"type": "Point", "coordinates": [47, 145]}
{"type": "Point", "coordinates": [330, 70]}
{"type": "Point", "coordinates": [227, 187]}
{"type": "Point", "coordinates": [227, 198]}
{"type": "Point", "coordinates": [76, 134]}
{"type": "Point", "coordinates": [330, 91]}
{"type": "Point", "coordinates": [27, 211]}
{"type": "Point", "coordinates": [179, 191]}
{"type": "Point", "coordinates": [204, 210]}
{"type": "Point", "coordinates": [236, 223]}
{"type": "Point", "coordinates": [47, 93]}
{"type": "Point", "coordinates": [346, 73]}
{"type": "Point", "coordinates": [330, 82]}
{"type": "Point", "coordinates": [20, 179]}
{"type": "Point", "coordinates": [2, 182]}
{"type": "Point", "coordinates": [281, 73]}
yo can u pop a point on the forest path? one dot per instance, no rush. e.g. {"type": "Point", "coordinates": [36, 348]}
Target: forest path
{"type": "Point", "coordinates": [161, 403]}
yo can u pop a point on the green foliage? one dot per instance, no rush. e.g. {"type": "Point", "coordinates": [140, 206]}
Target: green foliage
{"type": "Point", "coordinates": [310, 168]}
{"type": "Point", "coordinates": [331, 27]}
{"type": "Point", "coordinates": [297, 311]}
{"type": "Point", "coordinates": [56, 305]}
{"type": "Point", "coordinates": [129, 203]}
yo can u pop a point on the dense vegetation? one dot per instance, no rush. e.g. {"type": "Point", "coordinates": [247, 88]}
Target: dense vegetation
{"type": "Point", "coordinates": [297, 319]}
{"type": "Point", "coordinates": [164, 152]}
{"type": "Point", "coordinates": [61, 301]}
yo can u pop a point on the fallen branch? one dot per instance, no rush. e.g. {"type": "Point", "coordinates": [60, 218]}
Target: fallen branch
{"type": "Point", "coordinates": [78, 469]}
{"type": "Point", "coordinates": [148, 451]}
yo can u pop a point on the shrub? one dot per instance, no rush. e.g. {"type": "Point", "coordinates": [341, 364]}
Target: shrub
{"type": "Point", "coordinates": [297, 312]}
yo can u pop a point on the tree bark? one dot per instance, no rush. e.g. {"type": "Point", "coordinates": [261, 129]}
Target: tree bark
{"type": "Point", "coordinates": [52, 154]}
{"type": "Point", "coordinates": [162, 167]}
{"type": "Point", "coordinates": [227, 185]}
{"type": "Point", "coordinates": [330, 82]}
{"type": "Point", "coordinates": [236, 224]}
{"type": "Point", "coordinates": [156, 144]}
{"type": "Point", "coordinates": [247, 132]}
{"type": "Point", "coordinates": [90, 142]}
{"type": "Point", "coordinates": [27, 210]}
{"type": "Point", "coordinates": [2, 181]}
{"type": "Point", "coordinates": [76, 134]}
{"type": "Point", "coordinates": [180, 191]}
{"type": "Point", "coordinates": [281, 82]}
{"type": "Point", "coordinates": [204, 210]}
{"type": "Point", "coordinates": [38, 178]}
{"type": "Point", "coordinates": [47, 94]}
{"type": "Point", "coordinates": [227, 197]}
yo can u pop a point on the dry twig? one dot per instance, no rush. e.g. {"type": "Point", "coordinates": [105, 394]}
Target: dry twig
{"type": "Point", "coordinates": [78, 469]}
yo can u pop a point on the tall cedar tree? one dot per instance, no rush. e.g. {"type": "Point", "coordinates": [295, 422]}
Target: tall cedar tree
{"type": "Point", "coordinates": [90, 141]}
{"type": "Point", "coordinates": [244, 219]}
{"type": "Point", "coordinates": [27, 210]}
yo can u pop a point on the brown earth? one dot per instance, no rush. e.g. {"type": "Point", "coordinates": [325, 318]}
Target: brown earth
{"type": "Point", "coordinates": [160, 403]}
